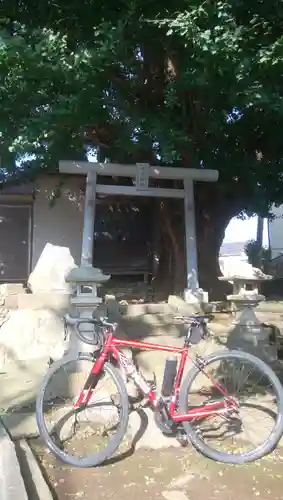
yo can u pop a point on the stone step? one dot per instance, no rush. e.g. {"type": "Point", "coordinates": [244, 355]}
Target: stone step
{"type": "Point", "coordinates": [136, 291]}
{"type": "Point", "coordinates": [270, 306]}
{"type": "Point", "coordinates": [149, 436]}
{"type": "Point", "coordinates": [11, 288]}
{"type": "Point", "coordinates": [160, 319]}
{"type": "Point", "coordinates": [21, 425]}
{"type": "Point", "coordinates": [9, 293]}
{"type": "Point", "coordinates": [147, 308]}
{"type": "Point", "coordinates": [122, 308]}
{"type": "Point", "coordinates": [12, 484]}
{"type": "Point", "coordinates": [35, 483]}
{"type": "Point", "coordinates": [134, 329]}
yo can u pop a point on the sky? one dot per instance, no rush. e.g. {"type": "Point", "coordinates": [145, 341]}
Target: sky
{"type": "Point", "coordinates": [244, 230]}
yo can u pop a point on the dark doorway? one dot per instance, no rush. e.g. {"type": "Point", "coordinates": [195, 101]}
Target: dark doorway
{"type": "Point", "coordinates": [123, 237]}
{"type": "Point", "coordinates": [15, 237]}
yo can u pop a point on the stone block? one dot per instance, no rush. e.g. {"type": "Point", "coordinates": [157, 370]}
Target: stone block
{"type": "Point", "coordinates": [21, 424]}
{"type": "Point", "coordinates": [31, 334]}
{"type": "Point", "coordinates": [51, 270]}
{"type": "Point", "coordinates": [57, 301]}
{"type": "Point", "coordinates": [180, 306]}
{"type": "Point", "coordinates": [11, 288]}
{"type": "Point", "coordinates": [35, 483]}
{"type": "Point", "coordinates": [9, 294]}
{"type": "Point", "coordinates": [11, 302]}
{"type": "Point", "coordinates": [113, 308]}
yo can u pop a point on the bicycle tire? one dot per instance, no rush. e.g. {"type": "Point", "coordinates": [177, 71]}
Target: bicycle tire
{"type": "Point", "coordinates": [272, 440]}
{"type": "Point", "coordinates": [115, 441]}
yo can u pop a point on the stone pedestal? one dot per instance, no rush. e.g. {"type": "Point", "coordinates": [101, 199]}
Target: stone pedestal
{"type": "Point", "coordinates": [85, 300]}
{"type": "Point", "coordinates": [249, 334]}
{"type": "Point", "coordinates": [199, 297]}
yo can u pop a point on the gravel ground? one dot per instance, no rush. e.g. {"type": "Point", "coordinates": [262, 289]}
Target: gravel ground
{"type": "Point", "coordinates": [171, 474]}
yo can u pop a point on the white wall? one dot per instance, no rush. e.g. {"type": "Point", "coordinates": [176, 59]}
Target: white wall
{"type": "Point", "coordinates": [61, 224]}
{"type": "Point", "coordinates": [276, 232]}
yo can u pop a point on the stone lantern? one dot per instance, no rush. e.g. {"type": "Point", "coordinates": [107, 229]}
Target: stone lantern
{"type": "Point", "coordinates": [85, 301]}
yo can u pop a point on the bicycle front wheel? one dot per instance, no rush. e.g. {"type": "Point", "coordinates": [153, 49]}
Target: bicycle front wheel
{"type": "Point", "coordinates": [254, 428]}
{"type": "Point", "coordinates": [90, 434]}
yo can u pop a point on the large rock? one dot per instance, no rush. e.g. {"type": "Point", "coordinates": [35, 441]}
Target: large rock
{"type": "Point", "coordinates": [51, 269]}
{"type": "Point", "coordinates": [31, 334]}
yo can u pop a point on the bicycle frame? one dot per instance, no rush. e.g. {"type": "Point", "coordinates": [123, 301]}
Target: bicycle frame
{"type": "Point", "coordinates": [112, 346]}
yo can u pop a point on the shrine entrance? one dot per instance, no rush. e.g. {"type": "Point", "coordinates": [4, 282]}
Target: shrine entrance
{"type": "Point", "coordinates": [141, 180]}
{"type": "Point", "coordinates": [123, 236]}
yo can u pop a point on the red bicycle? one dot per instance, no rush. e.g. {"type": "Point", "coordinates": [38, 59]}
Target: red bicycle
{"type": "Point", "coordinates": [180, 407]}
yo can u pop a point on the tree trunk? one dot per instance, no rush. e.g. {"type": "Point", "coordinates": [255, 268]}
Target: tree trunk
{"type": "Point", "coordinates": [214, 210]}
{"type": "Point", "coordinates": [210, 235]}
{"type": "Point", "coordinates": [169, 276]}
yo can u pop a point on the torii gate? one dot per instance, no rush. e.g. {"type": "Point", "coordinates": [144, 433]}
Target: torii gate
{"type": "Point", "coordinates": [140, 173]}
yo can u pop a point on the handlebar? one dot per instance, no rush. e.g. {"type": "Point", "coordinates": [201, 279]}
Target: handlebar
{"type": "Point", "coordinates": [97, 335]}
{"type": "Point", "coordinates": [102, 321]}
{"type": "Point", "coordinates": [197, 328]}
{"type": "Point", "coordinates": [195, 319]}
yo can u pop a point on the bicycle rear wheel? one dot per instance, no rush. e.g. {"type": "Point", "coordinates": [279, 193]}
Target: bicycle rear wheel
{"type": "Point", "coordinates": [101, 424]}
{"type": "Point", "coordinates": [259, 384]}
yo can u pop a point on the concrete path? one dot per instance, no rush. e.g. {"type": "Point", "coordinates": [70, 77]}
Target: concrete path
{"type": "Point", "coordinates": [20, 474]}
{"type": "Point", "coordinates": [36, 485]}
{"type": "Point", "coordinates": [171, 474]}
{"type": "Point", "coordinates": [12, 484]}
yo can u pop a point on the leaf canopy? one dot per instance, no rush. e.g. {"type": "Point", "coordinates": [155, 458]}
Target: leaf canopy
{"type": "Point", "coordinates": [196, 84]}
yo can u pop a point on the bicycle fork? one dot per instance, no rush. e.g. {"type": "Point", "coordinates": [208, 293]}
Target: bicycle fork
{"type": "Point", "coordinates": [91, 381]}
{"type": "Point", "coordinates": [86, 393]}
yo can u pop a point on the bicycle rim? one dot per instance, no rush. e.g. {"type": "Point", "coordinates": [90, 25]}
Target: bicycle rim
{"type": "Point", "coordinates": [261, 400]}
{"type": "Point", "coordinates": [89, 435]}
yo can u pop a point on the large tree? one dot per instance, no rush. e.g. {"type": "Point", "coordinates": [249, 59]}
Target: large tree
{"type": "Point", "coordinates": [193, 84]}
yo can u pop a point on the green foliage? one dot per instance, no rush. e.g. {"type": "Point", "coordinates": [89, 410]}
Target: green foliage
{"type": "Point", "coordinates": [192, 82]}
{"type": "Point", "coordinates": [258, 256]}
